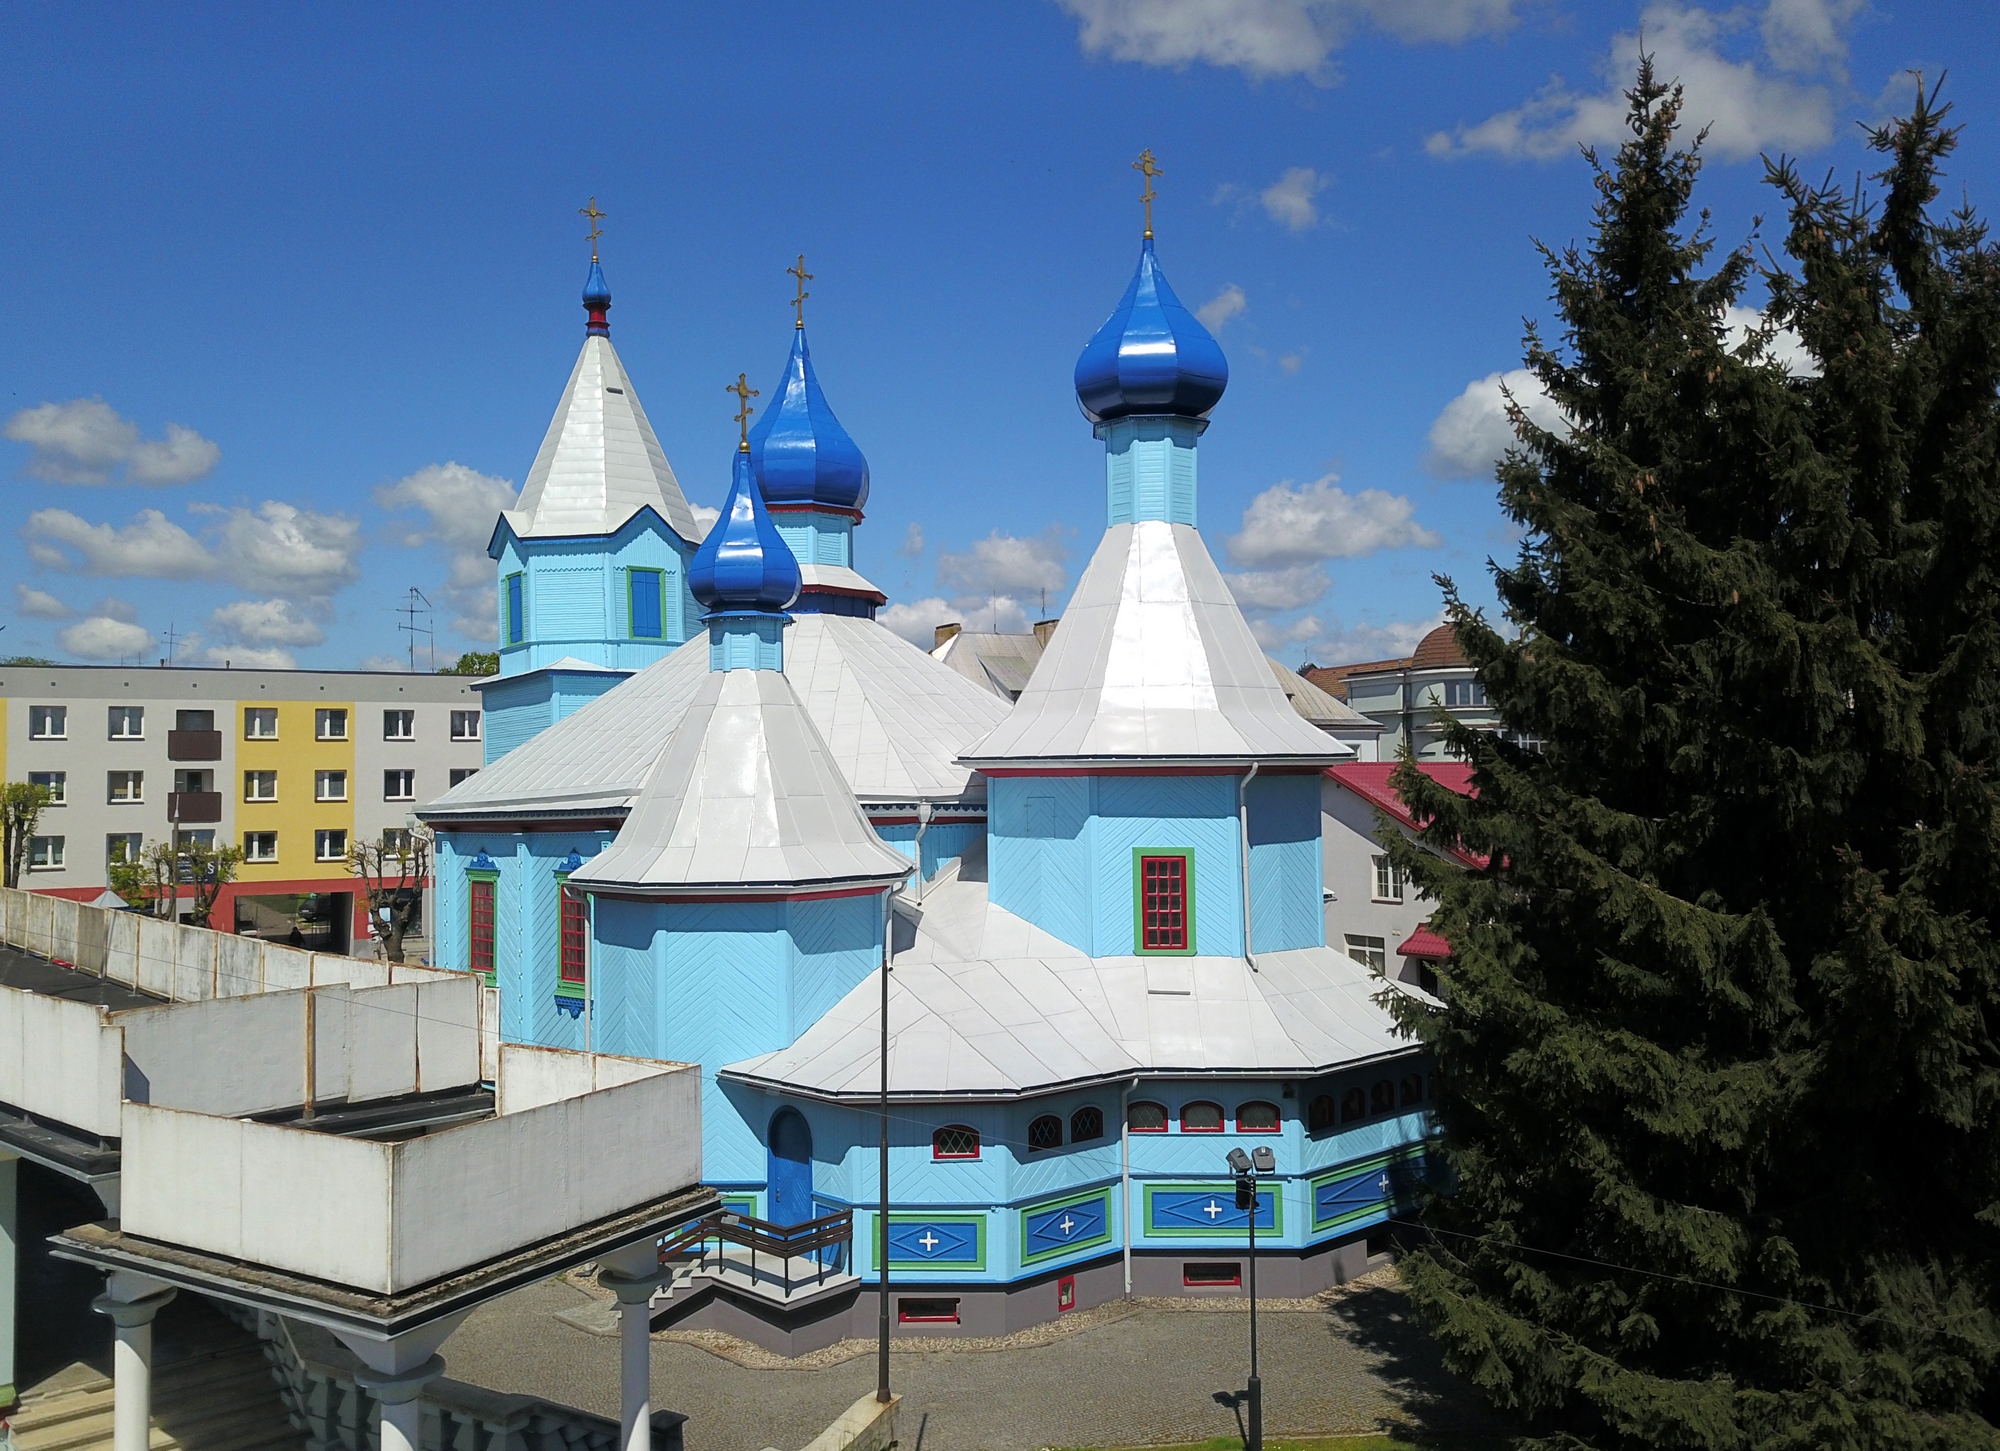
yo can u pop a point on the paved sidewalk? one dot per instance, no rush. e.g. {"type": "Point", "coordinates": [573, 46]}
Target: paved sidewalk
{"type": "Point", "coordinates": [1146, 1378]}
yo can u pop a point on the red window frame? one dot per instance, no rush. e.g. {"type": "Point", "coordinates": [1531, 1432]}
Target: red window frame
{"type": "Point", "coordinates": [1221, 1120]}
{"type": "Point", "coordinates": [937, 1141]}
{"type": "Point", "coordinates": [575, 936]}
{"type": "Point", "coordinates": [1131, 1127]}
{"type": "Point", "coordinates": [1163, 914]}
{"type": "Point", "coordinates": [482, 925]}
{"type": "Point", "coordinates": [1277, 1118]}
{"type": "Point", "coordinates": [927, 1311]}
{"type": "Point", "coordinates": [1218, 1274]}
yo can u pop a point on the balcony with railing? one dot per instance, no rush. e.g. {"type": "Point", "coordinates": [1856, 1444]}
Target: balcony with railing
{"type": "Point", "coordinates": [194, 808]}
{"type": "Point", "coordinates": [194, 746]}
{"type": "Point", "coordinates": [784, 1264]}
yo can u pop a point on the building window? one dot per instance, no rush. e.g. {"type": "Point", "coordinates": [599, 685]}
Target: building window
{"type": "Point", "coordinates": [646, 596]}
{"type": "Point", "coordinates": [1146, 1118]}
{"type": "Point", "coordinates": [1163, 902]}
{"type": "Point", "coordinates": [463, 773]}
{"type": "Point", "coordinates": [1211, 1274]}
{"type": "Point", "coordinates": [260, 785]}
{"type": "Point", "coordinates": [329, 785]}
{"type": "Point", "coordinates": [56, 783]}
{"type": "Point", "coordinates": [1369, 951]}
{"type": "Point", "coordinates": [45, 853]}
{"type": "Point", "coordinates": [1086, 1124]}
{"type": "Point", "coordinates": [575, 936]}
{"type": "Point", "coordinates": [511, 620]}
{"type": "Point", "coordinates": [1045, 1133]}
{"type": "Point", "coordinates": [1388, 881]}
{"type": "Point", "coordinates": [1320, 1115]}
{"type": "Point", "coordinates": [125, 785]}
{"type": "Point", "coordinates": [330, 845]}
{"type": "Point", "coordinates": [1201, 1118]}
{"type": "Point", "coordinates": [122, 846]}
{"type": "Point", "coordinates": [1413, 1089]}
{"type": "Point", "coordinates": [465, 725]}
{"type": "Point", "coordinates": [128, 722]}
{"type": "Point", "coordinates": [194, 720]}
{"type": "Point", "coordinates": [1382, 1098]}
{"type": "Point", "coordinates": [396, 840]}
{"type": "Point", "coordinates": [260, 723]}
{"type": "Point", "coordinates": [1464, 693]}
{"type": "Point", "coordinates": [399, 725]}
{"type": "Point", "coordinates": [260, 846]}
{"type": "Point", "coordinates": [1353, 1106]}
{"type": "Point", "coordinates": [482, 924]}
{"type": "Point", "coordinates": [202, 836]}
{"type": "Point", "coordinates": [1256, 1117]}
{"type": "Point", "coordinates": [955, 1141]}
{"type": "Point", "coordinates": [48, 722]}
{"type": "Point", "coordinates": [399, 785]}
{"type": "Point", "coordinates": [330, 724]}
{"type": "Point", "coordinates": [927, 1312]}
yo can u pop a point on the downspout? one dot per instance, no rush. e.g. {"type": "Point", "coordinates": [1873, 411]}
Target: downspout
{"type": "Point", "coordinates": [590, 906]}
{"type": "Point", "coordinates": [1125, 1173]}
{"type": "Point", "coordinates": [1243, 835]}
{"type": "Point", "coordinates": [924, 811]}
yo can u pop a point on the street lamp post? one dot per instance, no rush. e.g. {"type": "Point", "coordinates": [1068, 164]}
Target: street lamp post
{"type": "Point", "coordinates": [1247, 1167]}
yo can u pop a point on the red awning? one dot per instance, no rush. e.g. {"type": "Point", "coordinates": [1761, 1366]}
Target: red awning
{"type": "Point", "coordinates": [1426, 944]}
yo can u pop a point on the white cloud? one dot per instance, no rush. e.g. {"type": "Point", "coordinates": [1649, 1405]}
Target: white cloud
{"type": "Point", "coordinates": [1468, 437]}
{"type": "Point", "coordinates": [1346, 645]}
{"type": "Point", "coordinates": [1289, 199]}
{"type": "Point", "coordinates": [912, 546]}
{"type": "Point", "coordinates": [1274, 638]}
{"type": "Point", "coordinates": [81, 441]}
{"type": "Point", "coordinates": [1288, 524]}
{"type": "Point", "coordinates": [1003, 564]}
{"type": "Point", "coordinates": [249, 657]}
{"type": "Point", "coordinates": [704, 520]}
{"type": "Point", "coordinates": [265, 622]}
{"type": "Point", "coordinates": [399, 664]}
{"type": "Point", "coordinates": [1292, 362]}
{"type": "Point", "coordinates": [1219, 309]}
{"type": "Point", "coordinates": [151, 546]}
{"type": "Point", "coordinates": [1273, 591]}
{"type": "Point", "coordinates": [460, 504]}
{"type": "Point", "coordinates": [918, 620]}
{"type": "Point", "coordinates": [1268, 37]}
{"type": "Point", "coordinates": [279, 548]}
{"type": "Point", "coordinates": [1745, 109]}
{"type": "Point", "coordinates": [39, 606]}
{"type": "Point", "coordinates": [102, 638]}
{"type": "Point", "coordinates": [1784, 347]}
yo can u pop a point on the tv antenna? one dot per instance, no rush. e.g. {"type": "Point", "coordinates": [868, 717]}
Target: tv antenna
{"type": "Point", "coordinates": [172, 638]}
{"type": "Point", "coordinates": [416, 604]}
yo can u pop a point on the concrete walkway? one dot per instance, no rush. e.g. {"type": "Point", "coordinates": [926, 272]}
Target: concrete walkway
{"type": "Point", "coordinates": [1141, 1378]}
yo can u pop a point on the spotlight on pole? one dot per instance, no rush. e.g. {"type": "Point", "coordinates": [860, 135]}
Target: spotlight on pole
{"type": "Point", "coordinates": [1247, 1167]}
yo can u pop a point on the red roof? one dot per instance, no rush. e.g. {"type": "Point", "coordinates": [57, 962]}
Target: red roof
{"type": "Point", "coordinates": [1426, 944]}
{"type": "Point", "coordinates": [1438, 648]}
{"type": "Point", "coordinates": [1370, 781]}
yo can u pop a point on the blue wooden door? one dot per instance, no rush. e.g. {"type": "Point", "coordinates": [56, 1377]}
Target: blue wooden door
{"type": "Point", "coordinates": [790, 1170]}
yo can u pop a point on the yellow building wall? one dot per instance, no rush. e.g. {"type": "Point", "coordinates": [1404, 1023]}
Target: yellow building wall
{"type": "Point", "coordinates": [296, 755]}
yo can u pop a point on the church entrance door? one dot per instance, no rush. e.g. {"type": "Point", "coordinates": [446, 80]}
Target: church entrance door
{"type": "Point", "coordinates": [790, 1171]}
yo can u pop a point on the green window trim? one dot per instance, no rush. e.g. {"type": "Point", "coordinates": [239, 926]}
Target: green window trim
{"type": "Point", "coordinates": [1224, 1189]}
{"type": "Point", "coordinates": [490, 879]}
{"type": "Point", "coordinates": [565, 987]}
{"type": "Point", "coordinates": [1139, 855]}
{"type": "Point", "coordinates": [1023, 1215]}
{"type": "Point", "coordinates": [974, 1265]}
{"type": "Point", "coordinates": [647, 587]}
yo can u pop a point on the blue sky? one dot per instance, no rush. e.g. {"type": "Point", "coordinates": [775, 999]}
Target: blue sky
{"type": "Point", "coordinates": [291, 293]}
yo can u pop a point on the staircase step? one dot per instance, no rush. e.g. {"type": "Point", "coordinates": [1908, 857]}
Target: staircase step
{"type": "Point", "coordinates": [226, 1401]}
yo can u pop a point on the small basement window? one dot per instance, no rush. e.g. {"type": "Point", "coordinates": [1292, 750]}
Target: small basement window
{"type": "Point", "coordinates": [1207, 1274]}
{"type": "Point", "coordinates": [927, 1312]}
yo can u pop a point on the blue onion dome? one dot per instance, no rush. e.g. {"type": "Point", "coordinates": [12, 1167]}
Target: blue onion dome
{"type": "Point", "coordinates": [1152, 356]}
{"type": "Point", "coordinates": [744, 564]}
{"type": "Point", "coordinates": [801, 453]}
{"type": "Point", "coordinates": [597, 300]}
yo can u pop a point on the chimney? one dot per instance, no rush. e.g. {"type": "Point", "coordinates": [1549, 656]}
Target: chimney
{"type": "Point", "coordinates": [945, 632]}
{"type": "Point", "coordinates": [1045, 631]}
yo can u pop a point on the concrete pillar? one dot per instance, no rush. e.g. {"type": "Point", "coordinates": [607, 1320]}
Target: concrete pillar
{"type": "Point", "coordinates": [10, 1270]}
{"type": "Point", "coordinates": [632, 1274]}
{"type": "Point", "coordinates": [398, 1391]}
{"type": "Point", "coordinates": [131, 1302]}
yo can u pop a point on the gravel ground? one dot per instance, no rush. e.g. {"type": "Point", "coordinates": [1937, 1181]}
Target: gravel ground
{"type": "Point", "coordinates": [1352, 1364]}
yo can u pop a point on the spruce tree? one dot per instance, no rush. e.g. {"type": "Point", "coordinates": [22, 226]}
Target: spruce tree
{"type": "Point", "coordinates": [1718, 1091]}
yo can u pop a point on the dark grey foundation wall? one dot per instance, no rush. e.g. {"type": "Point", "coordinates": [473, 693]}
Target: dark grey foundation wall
{"type": "Point", "coordinates": [851, 1312]}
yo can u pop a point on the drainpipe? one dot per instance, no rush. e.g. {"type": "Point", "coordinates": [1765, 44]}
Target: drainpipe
{"type": "Point", "coordinates": [924, 812]}
{"type": "Point", "coordinates": [1243, 834]}
{"type": "Point", "coordinates": [1125, 1172]}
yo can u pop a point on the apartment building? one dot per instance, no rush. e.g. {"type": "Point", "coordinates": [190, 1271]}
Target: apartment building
{"type": "Point", "coordinates": [293, 766]}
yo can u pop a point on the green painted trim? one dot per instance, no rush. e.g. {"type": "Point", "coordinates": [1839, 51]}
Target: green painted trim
{"type": "Point", "coordinates": [1404, 1155]}
{"type": "Point", "coordinates": [492, 978]}
{"type": "Point", "coordinates": [1139, 949]}
{"type": "Point", "coordinates": [632, 574]}
{"type": "Point", "coordinates": [1064, 1203]}
{"type": "Point", "coordinates": [977, 1221]}
{"type": "Point", "coordinates": [741, 1204]}
{"type": "Point", "coordinates": [1228, 1187]}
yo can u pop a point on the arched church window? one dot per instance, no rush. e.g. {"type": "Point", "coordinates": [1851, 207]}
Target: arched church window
{"type": "Point", "coordinates": [1201, 1118]}
{"type": "Point", "coordinates": [1085, 1124]}
{"type": "Point", "coordinates": [955, 1141]}
{"type": "Point", "coordinates": [1045, 1132]}
{"type": "Point", "coordinates": [1353, 1105]}
{"type": "Point", "coordinates": [1413, 1089]}
{"type": "Point", "coordinates": [1320, 1114]}
{"type": "Point", "coordinates": [1146, 1118]}
{"type": "Point", "coordinates": [1256, 1117]}
{"type": "Point", "coordinates": [1382, 1098]}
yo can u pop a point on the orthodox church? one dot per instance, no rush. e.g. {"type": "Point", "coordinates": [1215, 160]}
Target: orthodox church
{"type": "Point", "coordinates": [729, 818]}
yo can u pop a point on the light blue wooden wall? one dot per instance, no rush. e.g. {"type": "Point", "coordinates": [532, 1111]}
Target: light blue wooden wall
{"type": "Point", "coordinates": [576, 598]}
{"type": "Point", "coordinates": [1149, 469]}
{"type": "Point", "coordinates": [1286, 879]}
{"type": "Point", "coordinates": [943, 843]}
{"type": "Point", "coordinates": [817, 537]}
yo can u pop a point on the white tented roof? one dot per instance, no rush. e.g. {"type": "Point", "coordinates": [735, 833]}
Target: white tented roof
{"type": "Point", "coordinates": [745, 796]}
{"type": "Point", "coordinates": [1153, 661]}
{"type": "Point", "coordinates": [600, 462]}
{"type": "Point", "coordinates": [985, 1003]}
{"type": "Point", "coordinates": [835, 576]}
{"type": "Point", "coordinates": [1327, 712]}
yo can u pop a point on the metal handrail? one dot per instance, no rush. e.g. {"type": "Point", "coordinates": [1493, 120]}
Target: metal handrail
{"type": "Point", "coordinates": [786, 1241]}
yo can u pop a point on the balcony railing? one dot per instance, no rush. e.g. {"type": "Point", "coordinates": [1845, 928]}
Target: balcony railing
{"type": "Point", "coordinates": [185, 808]}
{"type": "Point", "coordinates": [194, 746]}
{"type": "Point", "coordinates": [826, 1242]}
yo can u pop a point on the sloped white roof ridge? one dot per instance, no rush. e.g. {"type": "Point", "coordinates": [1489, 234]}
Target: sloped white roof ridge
{"type": "Point", "coordinates": [1153, 660]}
{"type": "Point", "coordinates": [985, 1003]}
{"type": "Point", "coordinates": [836, 577]}
{"type": "Point", "coordinates": [1328, 712]}
{"type": "Point", "coordinates": [600, 462]}
{"type": "Point", "coordinates": [746, 796]}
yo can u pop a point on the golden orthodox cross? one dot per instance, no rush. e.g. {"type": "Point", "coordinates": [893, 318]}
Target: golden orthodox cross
{"type": "Point", "coordinates": [596, 231]}
{"type": "Point", "coordinates": [804, 277]}
{"type": "Point", "coordinates": [1148, 168]}
{"type": "Point", "coordinates": [744, 393]}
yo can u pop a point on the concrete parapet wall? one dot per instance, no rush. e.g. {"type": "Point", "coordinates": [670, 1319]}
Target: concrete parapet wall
{"type": "Point", "coordinates": [60, 1060]}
